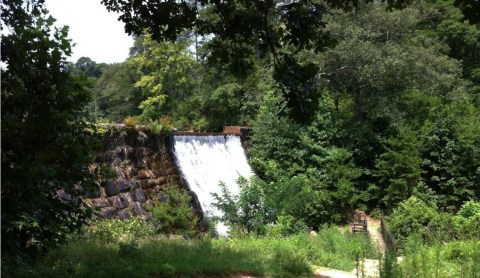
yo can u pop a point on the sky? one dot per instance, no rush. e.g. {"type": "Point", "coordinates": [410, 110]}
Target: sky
{"type": "Point", "coordinates": [96, 32]}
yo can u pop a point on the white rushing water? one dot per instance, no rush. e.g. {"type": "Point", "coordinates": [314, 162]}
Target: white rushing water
{"type": "Point", "coordinates": [205, 161]}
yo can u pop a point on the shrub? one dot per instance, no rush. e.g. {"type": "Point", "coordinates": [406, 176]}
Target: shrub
{"type": "Point", "coordinates": [441, 228]}
{"type": "Point", "coordinates": [155, 127]}
{"type": "Point", "coordinates": [130, 122]}
{"type": "Point", "coordinates": [173, 215]}
{"type": "Point", "coordinates": [182, 123]}
{"type": "Point", "coordinates": [166, 122]}
{"type": "Point", "coordinates": [467, 220]}
{"type": "Point", "coordinates": [469, 209]}
{"type": "Point", "coordinates": [469, 228]}
{"type": "Point", "coordinates": [162, 126]}
{"type": "Point", "coordinates": [286, 225]}
{"type": "Point", "coordinates": [113, 230]}
{"type": "Point", "coordinates": [247, 212]}
{"type": "Point", "coordinates": [410, 217]}
{"type": "Point", "coordinates": [200, 124]}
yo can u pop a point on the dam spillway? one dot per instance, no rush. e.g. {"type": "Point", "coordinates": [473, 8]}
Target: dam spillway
{"type": "Point", "coordinates": [205, 162]}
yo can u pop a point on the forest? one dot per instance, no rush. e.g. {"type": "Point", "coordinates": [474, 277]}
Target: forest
{"type": "Point", "coordinates": [361, 105]}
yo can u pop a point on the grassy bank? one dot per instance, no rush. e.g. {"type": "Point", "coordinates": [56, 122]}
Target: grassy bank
{"type": "Point", "coordinates": [446, 260]}
{"type": "Point", "coordinates": [162, 257]}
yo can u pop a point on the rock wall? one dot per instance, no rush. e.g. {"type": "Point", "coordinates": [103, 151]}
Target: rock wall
{"type": "Point", "coordinates": [141, 166]}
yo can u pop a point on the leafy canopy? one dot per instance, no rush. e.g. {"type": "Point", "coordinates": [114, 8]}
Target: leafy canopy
{"type": "Point", "coordinates": [46, 142]}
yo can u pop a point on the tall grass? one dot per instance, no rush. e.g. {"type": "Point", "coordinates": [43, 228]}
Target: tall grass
{"type": "Point", "coordinates": [292, 256]}
{"type": "Point", "coordinates": [440, 260]}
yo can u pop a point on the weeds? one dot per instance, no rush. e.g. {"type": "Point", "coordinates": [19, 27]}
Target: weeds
{"type": "Point", "coordinates": [445, 260]}
{"type": "Point", "coordinates": [109, 255]}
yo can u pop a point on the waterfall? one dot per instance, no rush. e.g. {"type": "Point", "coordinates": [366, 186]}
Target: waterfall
{"type": "Point", "coordinates": [205, 161]}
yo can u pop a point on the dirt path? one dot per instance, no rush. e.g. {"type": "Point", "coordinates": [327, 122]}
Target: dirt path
{"type": "Point", "coordinates": [324, 272]}
{"type": "Point", "coordinates": [373, 227]}
{"type": "Point", "coordinates": [369, 268]}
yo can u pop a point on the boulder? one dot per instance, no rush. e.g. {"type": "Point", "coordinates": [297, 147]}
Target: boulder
{"type": "Point", "coordinates": [140, 195]}
{"type": "Point", "coordinates": [110, 189]}
{"type": "Point", "coordinates": [129, 152]}
{"type": "Point", "coordinates": [138, 208]}
{"type": "Point", "coordinates": [131, 172]}
{"type": "Point", "coordinates": [148, 163]}
{"type": "Point", "coordinates": [103, 192]}
{"type": "Point", "coordinates": [161, 181]}
{"type": "Point", "coordinates": [107, 212]}
{"type": "Point", "coordinates": [143, 184]}
{"type": "Point", "coordinates": [100, 202]}
{"type": "Point", "coordinates": [123, 214]}
{"type": "Point", "coordinates": [119, 202]}
{"type": "Point", "coordinates": [123, 185]}
{"type": "Point", "coordinates": [151, 183]}
{"type": "Point", "coordinates": [128, 196]}
{"type": "Point", "coordinates": [145, 174]}
{"type": "Point", "coordinates": [120, 171]}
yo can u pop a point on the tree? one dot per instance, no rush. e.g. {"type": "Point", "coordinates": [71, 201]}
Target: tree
{"type": "Point", "coordinates": [379, 57]}
{"type": "Point", "coordinates": [85, 66]}
{"type": "Point", "coordinates": [275, 136]}
{"type": "Point", "coordinates": [88, 72]}
{"type": "Point", "coordinates": [399, 168]}
{"type": "Point", "coordinates": [46, 142]}
{"type": "Point", "coordinates": [450, 157]}
{"type": "Point", "coordinates": [441, 20]}
{"type": "Point", "coordinates": [167, 75]}
{"type": "Point", "coordinates": [240, 31]}
{"type": "Point", "coordinates": [117, 96]}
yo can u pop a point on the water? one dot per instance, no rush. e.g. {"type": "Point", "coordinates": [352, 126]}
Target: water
{"type": "Point", "coordinates": [205, 161]}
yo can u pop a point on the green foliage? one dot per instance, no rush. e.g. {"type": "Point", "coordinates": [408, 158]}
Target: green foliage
{"type": "Point", "coordinates": [453, 259]}
{"type": "Point", "coordinates": [274, 29]}
{"type": "Point", "coordinates": [291, 204]}
{"type": "Point", "coordinates": [162, 126]}
{"type": "Point", "coordinates": [46, 141]}
{"type": "Point", "coordinates": [200, 124]}
{"type": "Point", "coordinates": [275, 136]}
{"type": "Point", "coordinates": [224, 105]}
{"type": "Point", "coordinates": [469, 209]}
{"type": "Point", "coordinates": [115, 95]}
{"type": "Point", "coordinates": [166, 75]}
{"type": "Point", "coordinates": [247, 212]}
{"type": "Point", "coordinates": [370, 63]}
{"type": "Point", "coordinates": [285, 225]}
{"type": "Point", "coordinates": [398, 168]}
{"type": "Point", "coordinates": [444, 20]}
{"type": "Point", "coordinates": [130, 122]}
{"type": "Point", "coordinates": [410, 217]}
{"type": "Point", "coordinates": [468, 220]}
{"type": "Point", "coordinates": [292, 256]}
{"type": "Point", "coordinates": [311, 179]}
{"type": "Point", "coordinates": [173, 215]}
{"type": "Point", "coordinates": [414, 218]}
{"type": "Point", "coordinates": [115, 231]}
{"type": "Point", "coordinates": [450, 162]}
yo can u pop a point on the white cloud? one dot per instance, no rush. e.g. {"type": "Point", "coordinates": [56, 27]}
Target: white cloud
{"type": "Point", "coordinates": [96, 32]}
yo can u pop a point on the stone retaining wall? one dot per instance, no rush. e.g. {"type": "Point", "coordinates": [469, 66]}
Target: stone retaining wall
{"type": "Point", "coordinates": [142, 166]}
